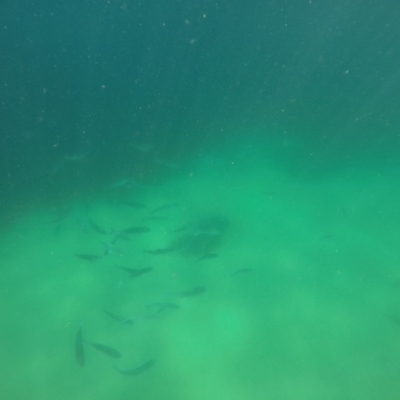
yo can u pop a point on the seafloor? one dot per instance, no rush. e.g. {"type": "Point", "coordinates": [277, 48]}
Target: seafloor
{"type": "Point", "coordinates": [251, 280]}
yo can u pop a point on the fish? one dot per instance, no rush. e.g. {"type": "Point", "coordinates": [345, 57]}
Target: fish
{"type": "Point", "coordinates": [110, 248]}
{"type": "Point", "coordinates": [133, 273]}
{"type": "Point", "coordinates": [79, 353]}
{"type": "Point", "coordinates": [207, 256]}
{"type": "Point", "coordinates": [161, 251]}
{"type": "Point", "coordinates": [97, 228]}
{"type": "Point", "coordinates": [193, 292]}
{"type": "Point", "coordinates": [135, 229]}
{"type": "Point", "coordinates": [164, 306]}
{"type": "Point", "coordinates": [88, 257]}
{"type": "Point", "coordinates": [109, 351]}
{"type": "Point", "coordinates": [119, 318]}
{"type": "Point", "coordinates": [164, 207]}
{"type": "Point", "coordinates": [60, 215]}
{"type": "Point", "coordinates": [136, 371]}
{"type": "Point", "coordinates": [119, 236]}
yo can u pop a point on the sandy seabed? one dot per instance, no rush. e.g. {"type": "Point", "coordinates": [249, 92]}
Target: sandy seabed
{"type": "Point", "coordinates": [256, 283]}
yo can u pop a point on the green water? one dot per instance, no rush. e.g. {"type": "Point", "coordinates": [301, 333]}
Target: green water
{"type": "Point", "coordinates": [241, 158]}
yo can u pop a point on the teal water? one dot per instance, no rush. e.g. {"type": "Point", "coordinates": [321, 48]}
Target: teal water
{"type": "Point", "coordinates": [212, 186]}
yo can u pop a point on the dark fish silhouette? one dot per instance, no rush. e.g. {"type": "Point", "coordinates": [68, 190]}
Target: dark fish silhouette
{"type": "Point", "coordinates": [165, 207]}
{"type": "Point", "coordinates": [119, 236]}
{"type": "Point", "coordinates": [110, 248]}
{"type": "Point", "coordinates": [89, 257]}
{"type": "Point", "coordinates": [158, 252]}
{"type": "Point", "coordinates": [60, 215]}
{"type": "Point", "coordinates": [80, 355]}
{"type": "Point", "coordinates": [119, 318]}
{"type": "Point", "coordinates": [133, 204]}
{"type": "Point", "coordinates": [207, 256]}
{"type": "Point", "coordinates": [97, 228]}
{"type": "Point", "coordinates": [109, 351]}
{"type": "Point", "coordinates": [134, 272]}
{"type": "Point", "coordinates": [135, 229]}
{"type": "Point", "coordinates": [193, 292]}
{"type": "Point", "coordinates": [136, 371]}
{"type": "Point", "coordinates": [160, 307]}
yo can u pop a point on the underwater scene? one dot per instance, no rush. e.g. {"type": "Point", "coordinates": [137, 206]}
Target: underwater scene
{"type": "Point", "coordinates": [200, 200]}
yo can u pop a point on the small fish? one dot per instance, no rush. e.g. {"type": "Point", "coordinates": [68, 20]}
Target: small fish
{"type": "Point", "coordinates": [88, 257]}
{"type": "Point", "coordinates": [193, 292]}
{"type": "Point", "coordinates": [119, 236]}
{"type": "Point", "coordinates": [97, 228]}
{"type": "Point", "coordinates": [207, 256]}
{"type": "Point", "coordinates": [119, 318]}
{"type": "Point", "coordinates": [79, 353]}
{"type": "Point", "coordinates": [133, 273]}
{"type": "Point", "coordinates": [135, 229]}
{"type": "Point", "coordinates": [110, 248]}
{"type": "Point", "coordinates": [165, 207]}
{"type": "Point", "coordinates": [157, 252]}
{"type": "Point", "coordinates": [136, 371]}
{"type": "Point", "coordinates": [163, 306]}
{"type": "Point", "coordinates": [60, 216]}
{"type": "Point", "coordinates": [109, 351]}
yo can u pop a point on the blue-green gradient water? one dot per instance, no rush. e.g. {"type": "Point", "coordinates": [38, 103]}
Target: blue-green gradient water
{"type": "Point", "coordinates": [199, 200]}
